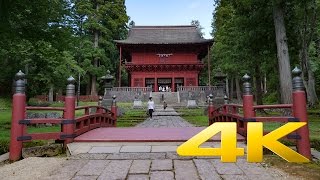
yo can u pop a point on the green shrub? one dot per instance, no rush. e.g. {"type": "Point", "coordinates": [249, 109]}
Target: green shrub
{"type": "Point", "coordinates": [57, 104]}
{"type": "Point", "coordinates": [35, 102]}
{"type": "Point", "coordinates": [315, 143]}
{"type": "Point", "coordinates": [271, 98]}
{"type": "Point", "coordinates": [4, 146]}
{"type": "Point", "coordinates": [5, 103]}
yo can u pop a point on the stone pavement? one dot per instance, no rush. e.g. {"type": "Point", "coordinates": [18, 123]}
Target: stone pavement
{"type": "Point", "coordinates": [138, 161]}
{"type": "Point", "coordinates": [165, 118]}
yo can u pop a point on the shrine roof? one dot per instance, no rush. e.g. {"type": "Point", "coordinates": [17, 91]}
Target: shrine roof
{"type": "Point", "coordinates": [164, 35]}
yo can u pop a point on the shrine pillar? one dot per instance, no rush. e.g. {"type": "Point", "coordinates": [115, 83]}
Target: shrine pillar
{"type": "Point", "coordinates": [156, 88]}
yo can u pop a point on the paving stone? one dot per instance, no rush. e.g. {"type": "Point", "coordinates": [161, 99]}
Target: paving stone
{"type": "Point", "coordinates": [236, 177]}
{"type": "Point", "coordinates": [137, 156]}
{"type": "Point", "coordinates": [81, 149]}
{"type": "Point", "coordinates": [68, 169]}
{"type": "Point", "coordinates": [106, 149]}
{"type": "Point", "coordinates": [116, 170]}
{"type": "Point", "coordinates": [88, 156]}
{"type": "Point", "coordinates": [161, 175]}
{"type": "Point", "coordinates": [174, 155]}
{"type": "Point", "coordinates": [206, 169]}
{"type": "Point", "coordinates": [185, 169]}
{"type": "Point", "coordinates": [134, 149]}
{"type": "Point", "coordinates": [164, 148]}
{"type": "Point", "coordinates": [161, 165]}
{"type": "Point", "coordinates": [226, 168]}
{"type": "Point", "coordinates": [140, 167]}
{"type": "Point", "coordinates": [138, 177]}
{"type": "Point", "coordinates": [250, 168]}
{"type": "Point", "coordinates": [93, 167]}
{"type": "Point", "coordinates": [262, 177]}
{"type": "Point", "coordinates": [85, 178]}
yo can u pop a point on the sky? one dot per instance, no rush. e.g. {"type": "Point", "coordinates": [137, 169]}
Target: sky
{"type": "Point", "coordinates": [171, 12]}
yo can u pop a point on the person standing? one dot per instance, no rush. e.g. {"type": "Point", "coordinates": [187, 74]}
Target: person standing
{"type": "Point", "coordinates": [150, 107]}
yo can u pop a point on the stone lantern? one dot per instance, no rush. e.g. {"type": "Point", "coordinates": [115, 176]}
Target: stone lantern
{"type": "Point", "coordinates": [107, 84]}
{"type": "Point", "coordinates": [220, 78]}
{"type": "Point", "coordinates": [220, 82]}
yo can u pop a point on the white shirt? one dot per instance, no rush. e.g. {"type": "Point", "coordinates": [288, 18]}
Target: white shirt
{"type": "Point", "coordinates": [150, 105]}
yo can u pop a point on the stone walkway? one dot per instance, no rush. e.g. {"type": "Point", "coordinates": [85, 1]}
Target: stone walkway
{"type": "Point", "coordinates": [138, 161]}
{"type": "Point", "coordinates": [165, 118]}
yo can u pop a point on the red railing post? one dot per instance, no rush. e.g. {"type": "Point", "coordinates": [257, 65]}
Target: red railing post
{"type": "Point", "coordinates": [18, 113]}
{"type": "Point", "coordinates": [69, 113]}
{"type": "Point", "coordinates": [247, 97]}
{"type": "Point", "coordinates": [300, 112]}
{"type": "Point", "coordinates": [210, 109]}
{"type": "Point", "coordinates": [114, 109]}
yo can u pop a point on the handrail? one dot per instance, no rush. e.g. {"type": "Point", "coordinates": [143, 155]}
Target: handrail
{"type": "Point", "coordinates": [275, 106]}
{"type": "Point", "coordinates": [93, 106]}
{"type": "Point", "coordinates": [45, 108]}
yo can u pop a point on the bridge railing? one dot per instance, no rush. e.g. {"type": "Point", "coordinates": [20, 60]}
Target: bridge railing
{"type": "Point", "coordinates": [247, 112]}
{"type": "Point", "coordinates": [71, 125]}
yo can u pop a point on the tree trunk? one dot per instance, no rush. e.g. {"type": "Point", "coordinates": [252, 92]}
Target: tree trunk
{"type": "Point", "coordinates": [283, 54]}
{"type": "Point", "coordinates": [258, 83]}
{"type": "Point", "coordinates": [238, 88]}
{"type": "Point", "coordinates": [231, 88]}
{"type": "Point", "coordinates": [265, 84]}
{"type": "Point", "coordinates": [50, 97]}
{"type": "Point", "coordinates": [307, 33]}
{"type": "Point", "coordinates": [227, 87]}
{"type": "Point", "coordinates": [88, 87]}
{"type": "Point", "coordinates": [95, 60]}
{"type": "Point", "coordinates": [308, 77]}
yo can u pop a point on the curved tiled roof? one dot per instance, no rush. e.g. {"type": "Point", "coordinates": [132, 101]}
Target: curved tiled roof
{"type": "Point", "coordinates": [164, 35]}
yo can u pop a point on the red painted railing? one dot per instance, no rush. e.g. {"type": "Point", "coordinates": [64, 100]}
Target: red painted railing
{"type": "Point", "coordinates": [231, 113]}
{"type": "Point", "coordinates": [71, 126]}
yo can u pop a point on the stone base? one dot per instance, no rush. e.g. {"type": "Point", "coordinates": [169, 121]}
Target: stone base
{"type": "Point", "coordinates": [107, 103]}
{"type": "Point", "coordinates": [42, 151]}
{"type": "Point", "coordinates": [137, 104]}
{"type": "Point", "coordinates": [192, 104]}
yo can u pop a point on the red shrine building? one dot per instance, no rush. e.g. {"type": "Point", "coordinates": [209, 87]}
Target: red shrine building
{"type": "Point", "coordinates": [163, 56]}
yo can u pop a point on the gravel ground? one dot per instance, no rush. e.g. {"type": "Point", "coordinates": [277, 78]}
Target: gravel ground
{"type": "Point", "coordinates": [32, 168]}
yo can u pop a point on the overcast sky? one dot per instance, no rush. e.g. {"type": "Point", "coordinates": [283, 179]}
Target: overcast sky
{"type": "Point", "coordinates": [171, 12]}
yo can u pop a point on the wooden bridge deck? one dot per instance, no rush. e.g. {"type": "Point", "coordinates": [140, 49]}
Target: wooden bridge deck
{"type": "Point", "coordinates": [174, 134]}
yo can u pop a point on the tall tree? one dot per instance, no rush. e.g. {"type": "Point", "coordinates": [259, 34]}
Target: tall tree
{"type": "Point", "coordinates": [282, 52]}
{"type": "Point", "coordinates": [199, 27]}
{"type": "Point", "coordinates": [104, 22]}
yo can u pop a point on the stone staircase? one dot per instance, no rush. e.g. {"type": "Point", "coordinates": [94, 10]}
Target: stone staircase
{"type": "Point", "coordinates": [169, 97]}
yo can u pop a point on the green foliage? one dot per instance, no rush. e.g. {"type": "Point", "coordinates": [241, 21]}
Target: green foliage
{"type": "Point", "coordinates": [35, 102]}
{"type": "Point", "coordinates": [5, 103]}
{"type": "Point", "coordinates": [244, 36]}
{"type": "Point", "coordinates": [271, 98]}
{"type": "Point", "coordinates": [51, 40]}
{"type": "Point", "coordinates": [4, 146]}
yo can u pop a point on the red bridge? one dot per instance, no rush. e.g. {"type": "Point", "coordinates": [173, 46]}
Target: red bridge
{"type": "Point", "coordinates": [80, 128]}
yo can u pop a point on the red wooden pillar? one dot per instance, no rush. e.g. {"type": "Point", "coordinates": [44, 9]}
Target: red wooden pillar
{"type": "Point", "coordinates": [69, 113]}
{"type": "Point", "coordinates": [18, 113]}
{"type": "Point", "coordinates": [248, 110]}
{"type": "Point", "coordinates": [120, 66]}
{"type": "Point", "coordinates": [300, 112]}
{"type": "Point", "coordinates": [210, 109]}
{"type": "Point", "coordinates": [156, 88]}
